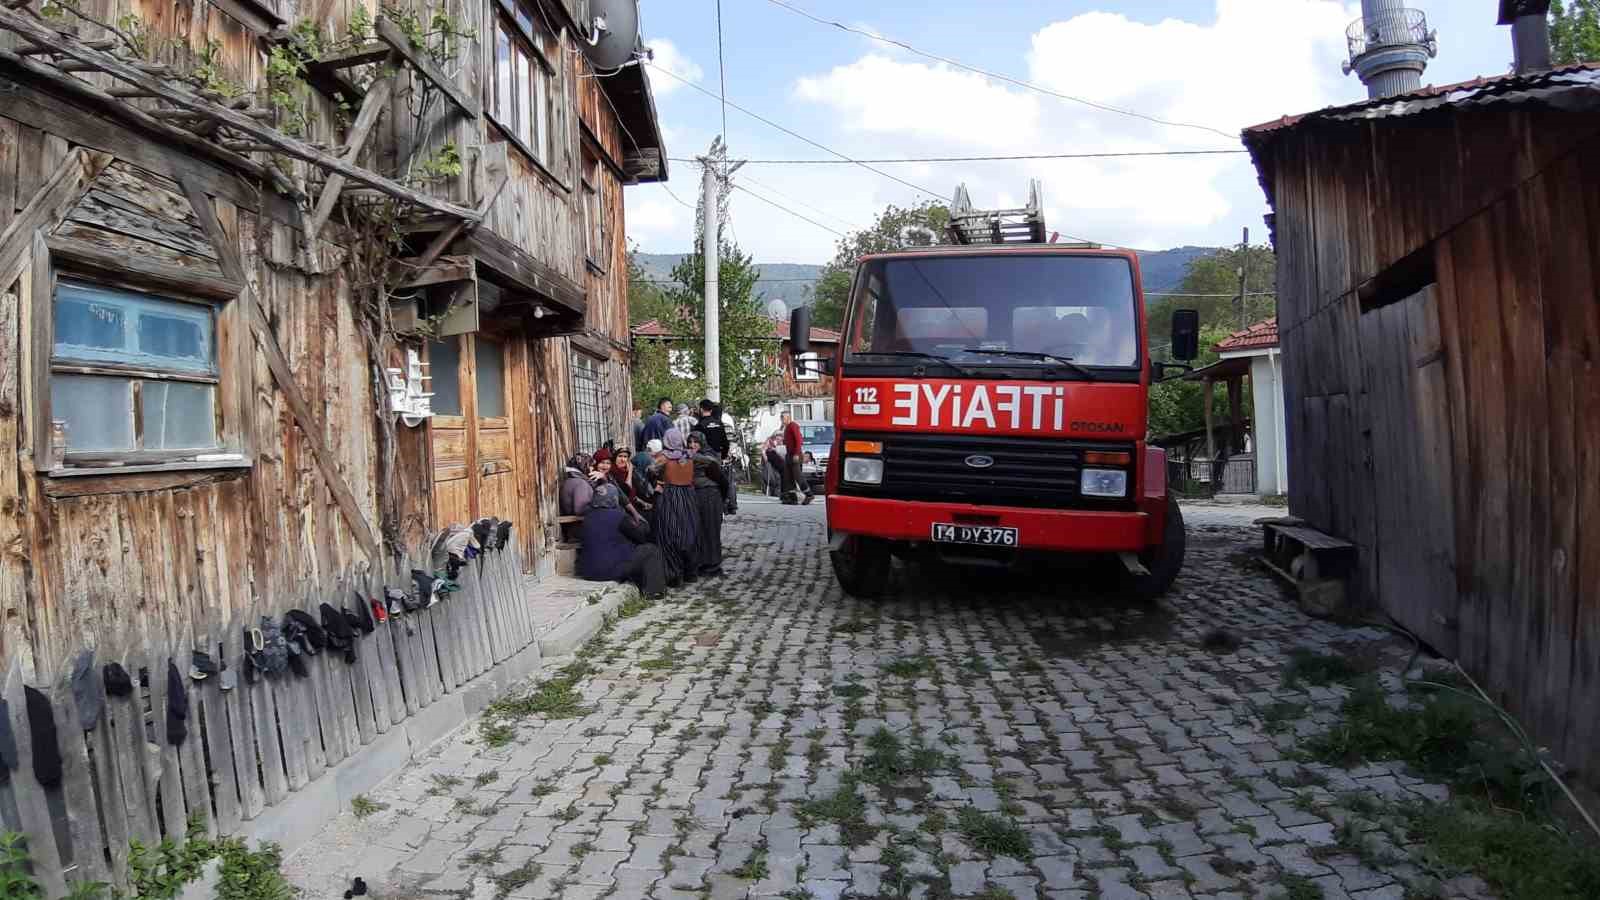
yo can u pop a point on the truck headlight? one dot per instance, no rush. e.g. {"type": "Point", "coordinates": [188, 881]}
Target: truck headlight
{"type": "Point", "coordinates": [859, 470]}
{"type": "Point", "coordinates": [1104, 483]}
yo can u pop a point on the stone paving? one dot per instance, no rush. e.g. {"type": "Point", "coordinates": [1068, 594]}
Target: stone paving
{"type": "Point", "coordinates": [975, 734]}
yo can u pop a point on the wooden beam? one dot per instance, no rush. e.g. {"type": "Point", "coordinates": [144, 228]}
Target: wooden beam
{"type": "Point", "coordinates": [390, 34]}
{"type": "Point", "coordinates": [373, 106]}
{"type": "Point", "coordinates": [443, 270]}
{"type": "Point", "coordinates": [445, 238]}
{"type": "Point", "coordinates": [183, 98]}
{"type": "Point", "coordinates": [66, 186]}
{"type": "Point", "coordinates": [522, 270]}
{"type": "Point", "coordinates": [233, 267]}
{"type": "Point", "coordinates": [364, 55]}
{"type": "Point", "coordinates": [129, 266]}
{"type": "Point", "coordinates": [257, 18]}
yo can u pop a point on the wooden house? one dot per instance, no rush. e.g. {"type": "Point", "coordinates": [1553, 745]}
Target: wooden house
{"type": "Point", "coordinates": [223, 232]}
{"type": "Point", "coordinates": [1439, 315]}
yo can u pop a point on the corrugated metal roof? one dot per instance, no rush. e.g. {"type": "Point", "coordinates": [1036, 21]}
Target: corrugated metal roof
{"type": "Point", "coordinates": [1566, 87]}
{"type": "Point", "coordinates": [1261, 334]}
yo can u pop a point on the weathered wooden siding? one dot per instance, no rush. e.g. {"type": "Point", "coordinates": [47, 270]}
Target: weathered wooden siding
{"type": "Point", "coordinates": [1439, 304]}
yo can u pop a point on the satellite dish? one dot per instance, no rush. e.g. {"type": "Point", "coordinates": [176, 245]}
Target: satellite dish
{"type": "Point", "coordinates": [613, 32]}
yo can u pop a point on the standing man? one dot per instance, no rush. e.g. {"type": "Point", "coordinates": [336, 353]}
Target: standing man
{"type": "Point", "coordinates": [716, 431]}
{"type": "Point", "coordinates": [685, 422]}
{"type": "Point", "coordinates": [660, 422]}
{"type": "Point", "coordinates": [636, 427]}
{"type": "Point", "coordinates": [794, 462]}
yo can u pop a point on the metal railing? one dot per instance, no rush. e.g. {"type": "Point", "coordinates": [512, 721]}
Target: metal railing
{"type": "Point", "coordinates": [1211, 477]}
{"type": "Point", "coordinates": [1386, 29]}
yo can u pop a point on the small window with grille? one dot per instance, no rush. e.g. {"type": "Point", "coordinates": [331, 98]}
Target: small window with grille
{"type": "Point", "coordinates": [588, 402]}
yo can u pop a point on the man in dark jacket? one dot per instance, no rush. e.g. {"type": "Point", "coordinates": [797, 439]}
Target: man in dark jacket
{"type": "Point", "coordinates": [716, 433]}
{"type": "Point", "coordinates": [617, 548]}
{"type": "Point", "coordinates": [660, 422]}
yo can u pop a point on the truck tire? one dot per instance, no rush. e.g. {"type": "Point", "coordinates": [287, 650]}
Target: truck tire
{"type": "Point", "coordinates": [862, 566]}
{"type": "Point", "coordinates": [1164, 560]}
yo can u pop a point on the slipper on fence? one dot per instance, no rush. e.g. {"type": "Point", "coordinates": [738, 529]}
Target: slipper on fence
{"type": "Point", "coordinates": [86, 690]}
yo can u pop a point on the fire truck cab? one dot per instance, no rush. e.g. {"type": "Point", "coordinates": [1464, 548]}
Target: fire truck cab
{"type": "Point", "coordinates": [991, 401]}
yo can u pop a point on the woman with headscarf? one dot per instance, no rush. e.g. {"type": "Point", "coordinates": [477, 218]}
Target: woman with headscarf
{"type": "Point", "coordinates": [710, 487]}
{"type": "Point", "coordinates": [631, 481]}
{"type": "Point", "coordinates": [616, 547]}
{"type": "Point", "coordinates": [677, 519]}
{"type": "Point", "coordinates": [577, 489]}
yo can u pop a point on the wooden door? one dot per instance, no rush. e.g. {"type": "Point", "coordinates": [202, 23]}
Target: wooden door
{"type": "Point", "coordinates": [1412, 469]}
{"type": "Point", "coordinates": [474, 467]}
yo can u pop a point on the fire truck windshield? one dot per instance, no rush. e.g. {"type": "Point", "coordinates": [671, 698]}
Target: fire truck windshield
{"type": "Point", "coordinates": [997, 311]}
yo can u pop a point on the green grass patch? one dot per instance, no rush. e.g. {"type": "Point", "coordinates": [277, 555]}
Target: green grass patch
{"type": "Point", "coordinates": [516, 879]}
{"type": "Point", "coordinates": [363, 806]}
{"type": "Point", "coordinates": [1297, 887]}
{"type": "Point", "coordinates": [993, 835]}
{"type": "Point", "coordinates": [1280, 716]}
{"type": "Point", "coordinates": [1311, 667]}
{"type": "Point", "coordinates": [754, 868]}
{"type": "Point", "coordinates": [484, 779]}
{"type": "Point", "coordinates": [909, 666]}
{"type": "Point", "coordinates": [846, 808]}
{"type": "Point", "coordinates": [1520, 857]}
{"type": "Point", "coordinates": [890, 760]}
{"type": "Point", "coordinates": [632, 607]}
{"type": "Point", "coordinates": [850, 691]}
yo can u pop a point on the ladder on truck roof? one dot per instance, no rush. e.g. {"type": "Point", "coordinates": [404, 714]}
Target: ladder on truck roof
{"type": "Point", "coordinates": [997, 226]}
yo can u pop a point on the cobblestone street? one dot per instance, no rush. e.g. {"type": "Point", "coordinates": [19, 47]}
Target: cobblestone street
{"type": "Point", "coordinates": [973, 735]}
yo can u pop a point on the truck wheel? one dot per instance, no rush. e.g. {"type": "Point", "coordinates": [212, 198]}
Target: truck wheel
{"type": "Point", "coordinates": [1163, 560]}
{"type": "Point", "coordinates": [862, 566]}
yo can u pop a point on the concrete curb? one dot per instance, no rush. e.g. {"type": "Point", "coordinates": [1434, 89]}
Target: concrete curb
{"type": "Point", "coordinates": [586, 622]}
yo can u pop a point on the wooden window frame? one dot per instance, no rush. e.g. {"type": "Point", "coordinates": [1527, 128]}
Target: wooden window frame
{"type": "Point", "coordinates": [503, 20]}
{"type": "Point", "coordinates": [57, 258]}
{"type": "Point", "coordinates": [596, 224]}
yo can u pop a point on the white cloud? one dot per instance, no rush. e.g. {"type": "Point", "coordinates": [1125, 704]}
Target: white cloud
{"type": "Point", "coordinates": [1248, 61]}
{"type": "Point", "coordinates": [669, 57]}
{"type": "Point", "coordinates": [910, 99]}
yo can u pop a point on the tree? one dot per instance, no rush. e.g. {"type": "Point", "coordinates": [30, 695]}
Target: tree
{"type": "Point", "coordinates": [646, 300]}
{"type": "Point", "coordinates": [895, 228]}
{"type": "Point", "coordinates": [1574, 32]}
{"type": "Point", "coordinates": [1179, 406]}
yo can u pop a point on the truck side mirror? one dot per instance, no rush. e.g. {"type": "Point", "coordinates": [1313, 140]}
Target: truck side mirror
{"type": "Point", "coordinates": [800, 330]}
{"type": "Point", "coordinates": [1185, 334]}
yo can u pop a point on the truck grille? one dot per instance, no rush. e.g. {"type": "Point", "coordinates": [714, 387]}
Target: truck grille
{"type": "Point", "coordinates": [1027, 472]}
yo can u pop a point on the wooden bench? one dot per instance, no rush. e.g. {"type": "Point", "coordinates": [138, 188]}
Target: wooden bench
{"type": "Point", "coordinates": [1316, 564]}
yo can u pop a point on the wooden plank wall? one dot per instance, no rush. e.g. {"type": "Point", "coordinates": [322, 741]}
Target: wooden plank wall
{"type": "Point", "coordinates": [254, 747]}
{"type": "Point", "coordinates": [1476, 401]}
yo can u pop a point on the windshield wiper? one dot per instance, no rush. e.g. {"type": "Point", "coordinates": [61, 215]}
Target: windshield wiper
{"type": "Point", "coordinates": [1042, 357]}
{"type": "Point", "coordinates": [917, 354]}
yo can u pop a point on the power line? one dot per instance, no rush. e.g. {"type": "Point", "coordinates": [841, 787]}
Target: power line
{"type": "Point", "coordinates": [964, 159]}
{"type": "Point", "coordinates": [688, 206]}
{"type": "Point", "coordinates": [758, 278]}
{"type": "Point", "coordinates": [823, 147]}
{"type": "Point", "coordinates": [722, 73]}
{"type": "Point", "coordinates": [795, 134]}
{"type": "Point", "coordinates": [740, 187]}
{"type": "Point", "coordinates": [795, 200]}
{"type": "Point", "coordinates": [996, 75]}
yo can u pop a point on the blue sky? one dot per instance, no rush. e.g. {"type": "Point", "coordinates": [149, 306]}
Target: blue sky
{"type": "Point", "coordinates": [1221, 63]}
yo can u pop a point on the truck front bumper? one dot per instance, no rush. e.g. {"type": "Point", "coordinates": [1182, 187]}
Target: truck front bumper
{"type": "Point", "coordinates": [1069, 530]}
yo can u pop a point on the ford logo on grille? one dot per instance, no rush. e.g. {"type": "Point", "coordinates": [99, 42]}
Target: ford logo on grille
{"type": "Point", "coordinates": [977, 461]}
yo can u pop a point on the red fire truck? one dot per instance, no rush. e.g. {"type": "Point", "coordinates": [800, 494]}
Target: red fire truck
{"type": "Point", "coordinates": [990, 404]}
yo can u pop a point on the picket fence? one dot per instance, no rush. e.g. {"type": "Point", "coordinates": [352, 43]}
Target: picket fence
{"type": "Point", "coordinates": [251, 748]}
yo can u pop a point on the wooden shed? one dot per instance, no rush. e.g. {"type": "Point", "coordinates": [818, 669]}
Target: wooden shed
{"type": "Point", "coordinates": [1439, 312]}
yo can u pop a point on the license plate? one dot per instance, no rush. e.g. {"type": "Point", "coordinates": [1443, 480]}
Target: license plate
{"type": "Point", "coordinates": [981, 535]}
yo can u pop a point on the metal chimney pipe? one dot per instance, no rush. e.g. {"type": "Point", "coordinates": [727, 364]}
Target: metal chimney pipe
{"type": "Point", "coordinates": [1389, 47]}
{"type": "Point", "coordinates": [1530, 43]}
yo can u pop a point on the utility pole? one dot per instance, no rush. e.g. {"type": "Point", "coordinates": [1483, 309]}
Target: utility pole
{"type": "Point", "coordinates": [711, 202]}
{"type": "Point", "coordinates": [1244, 279]}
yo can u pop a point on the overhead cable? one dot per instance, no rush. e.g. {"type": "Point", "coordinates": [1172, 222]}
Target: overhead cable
{"type": "Point", "coordinates": [770, 202]}
{"type": "Point", "coordinates": [998, 76]}
{"type": "Point", "coordinates": [963, 159]}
